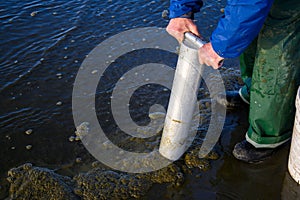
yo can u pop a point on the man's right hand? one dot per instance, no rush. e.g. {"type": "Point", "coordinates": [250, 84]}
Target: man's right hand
{"type": "Point", "coordinates": [178, 26]}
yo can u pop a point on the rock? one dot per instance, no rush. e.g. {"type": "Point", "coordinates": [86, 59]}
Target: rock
{"type": "Point", "coordinates": [33, 14]}
{"type": "Point", "coordinates": [34, 183]}
{"type": "Point", "coordinates": [170, 174]}
{"type": "Point", "coordinates": [78, 160]}
{"type": "Point", "coordinates": [165, 14]}
{"type": "Point", "coordinates": [99, 184]}
{"type": "Point", "coordinates": [82, 130]}
{"type": "Point", "coordinates": [28, 147]}
{"type": "Point", "coordinates": [28, 132]}
{"type": "Point", "coordinates": [71, 138]}
{"type": "Point", "coordinates": [95, 71]}
{"type": "Point", "coordinates": [212, 156]}
{"type": "Point", "coordinates": [28, 182]}
{"type": "Point", "coordinates": [192, 160]}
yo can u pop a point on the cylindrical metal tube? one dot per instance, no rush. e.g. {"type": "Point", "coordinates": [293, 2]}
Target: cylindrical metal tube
{"type": "Point", "coordinates": [176, 133]}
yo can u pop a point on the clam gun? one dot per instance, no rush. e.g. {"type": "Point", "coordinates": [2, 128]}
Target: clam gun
{"type": "Point", "coordinates": [177, 134]}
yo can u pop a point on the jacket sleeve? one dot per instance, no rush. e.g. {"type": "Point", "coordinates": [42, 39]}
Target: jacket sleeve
{"type": "Point", "coordinates": [241, 23]}
{"type": "Point", "coordinates": [181, 7]}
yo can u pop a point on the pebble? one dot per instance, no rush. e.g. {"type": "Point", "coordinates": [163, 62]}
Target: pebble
{"type": "Point", "coordinates": [77, 138]}
{"type": "Point", "coordinates": [95, 164]}
{"type": "Point", "coordinates": [78, 160]}
{"type": "Point", "coordinates": [94, 71]}
{"type": "Point", "coordinates": [165, 14]}
{"type": "Point", "coordinates": [28, 132]}
{"type": "Point", "coordinates": [207, 104]}
{"type": "Point", "coordinates": [71, 138]}
{"type": "Point", "coordinates": [12, 148]}
{"type": "Point", "coordinates": [59, 103]}
{"type": "Point", "coordinates": [28, 147]}
{"type": "Point", "coordinates": [33, 14]}
{"type": "Point", "coordinates": [157, 115]}
{"type": "Point", "coordinates": [222, 10]}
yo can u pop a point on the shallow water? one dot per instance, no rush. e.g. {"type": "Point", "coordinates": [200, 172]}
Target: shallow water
{"type": "Point", "coordinates": [43, 44]}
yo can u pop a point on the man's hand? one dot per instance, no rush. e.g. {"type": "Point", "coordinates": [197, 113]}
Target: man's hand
{"type": "Point", "coordinates": [208, 56]}
{"type": "Point", "coordinates": [178, 26]}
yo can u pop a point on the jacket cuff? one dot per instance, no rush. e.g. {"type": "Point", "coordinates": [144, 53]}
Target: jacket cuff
{"type": "Point", "coordinates": [189, 15]}
{"type": "Point", "coordinates": [181, 7]}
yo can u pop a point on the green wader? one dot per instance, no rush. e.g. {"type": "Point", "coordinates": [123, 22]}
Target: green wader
{"type": "Point", "coordinates": [270, 68]}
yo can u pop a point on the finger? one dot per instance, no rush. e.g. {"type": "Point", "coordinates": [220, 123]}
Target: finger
{"type": "Point", "coordinates": [215, 66]}
{"type": "Point", "coordinates": [177, 34]}
{"type": "Point", "coordinates": [194, 29]}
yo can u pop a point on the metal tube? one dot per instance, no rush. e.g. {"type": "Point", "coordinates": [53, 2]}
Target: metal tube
{"type": "Point", "coordinates": [190, 37]}
{"type": "Point", "coordinates": [177, 136]}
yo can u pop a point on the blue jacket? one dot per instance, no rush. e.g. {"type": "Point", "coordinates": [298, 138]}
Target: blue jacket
{"type": "Point", "coordinates": [240, 24]}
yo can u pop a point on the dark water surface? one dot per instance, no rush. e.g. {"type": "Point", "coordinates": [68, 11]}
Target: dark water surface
{"type": "Point", "coordinates": [42, 45]}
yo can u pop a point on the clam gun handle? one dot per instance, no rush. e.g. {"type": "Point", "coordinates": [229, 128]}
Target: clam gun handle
{"type": "Point", "coordinates": [194, 39]}
{"type": "Point", "coordinates": [198, 42]}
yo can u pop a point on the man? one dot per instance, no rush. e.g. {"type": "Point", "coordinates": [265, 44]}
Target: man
{"type": "Point", "coordinates": [267, 33]}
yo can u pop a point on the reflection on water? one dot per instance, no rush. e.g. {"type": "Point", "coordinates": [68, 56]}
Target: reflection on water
{"type": "Point", "coordinates": [43, 44]}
